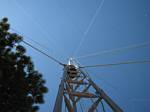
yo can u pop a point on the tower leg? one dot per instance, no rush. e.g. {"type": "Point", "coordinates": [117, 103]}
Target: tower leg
{"type": "Point", "coordinates": [59, 99]}
{"type": "Point", "coordinates": [109, 101]}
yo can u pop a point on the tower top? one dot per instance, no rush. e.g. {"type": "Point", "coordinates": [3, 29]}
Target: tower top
{"type": "Point", "coordinates": [73, 62]}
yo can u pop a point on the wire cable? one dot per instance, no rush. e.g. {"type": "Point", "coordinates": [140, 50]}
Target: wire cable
{"type": "Point", "coordinates": [89, 27]}
{"type": "Point", "coordinates": [23, 35]}
{"type": "Point", "coordinates": [134, 46]}
{"type": "Point", "coordinates": [93, 102]}
{"type": "Point", "coordinates": [81, 106]}
{"type": "Point", "coordinates": [116, 64]}
{"type": "Point", "coordinates": [103, 107]}
{"type": "Point", "coordinates": [33, 20]}
{"type": "Point", "coordinates": [49, 37]}
{"type": "Point", "coordinates": [115, 89]}
{"type": "Point", "coordinates": [50, 57]}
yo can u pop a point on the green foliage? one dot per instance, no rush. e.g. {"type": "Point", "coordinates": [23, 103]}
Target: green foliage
{"type": "Point", "coordinates": [21, 87]}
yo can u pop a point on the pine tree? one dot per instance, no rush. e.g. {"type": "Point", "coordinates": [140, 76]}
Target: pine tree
{"type": "Point", "coordinates": [21, 86]}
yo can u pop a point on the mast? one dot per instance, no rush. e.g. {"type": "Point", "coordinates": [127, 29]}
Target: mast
{"type": "Point", "coordinates": [77, 85]}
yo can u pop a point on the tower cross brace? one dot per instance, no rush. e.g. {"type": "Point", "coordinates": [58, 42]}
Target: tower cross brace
{"type": "Point", "coordinates": [76, 85]}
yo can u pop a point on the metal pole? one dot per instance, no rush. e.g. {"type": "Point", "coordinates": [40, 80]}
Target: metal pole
{"type": "Point", "coordinates": [59, 99]}
{"type": "Point", "coordinates": [109, 101]}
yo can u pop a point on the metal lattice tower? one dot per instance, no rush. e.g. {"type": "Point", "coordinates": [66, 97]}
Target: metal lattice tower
{"type": "Point", "coordinates": [77, 85]}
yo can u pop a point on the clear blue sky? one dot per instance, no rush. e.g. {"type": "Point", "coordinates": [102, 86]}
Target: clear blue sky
{"type": "Point", "coordinates": [71, 28]}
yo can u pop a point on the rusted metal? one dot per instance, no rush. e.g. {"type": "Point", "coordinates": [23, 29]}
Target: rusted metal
{"type": "Point", "coordinates": [108, 100]}
{"type": "Point", "coordinates": [75, 85]}
{"type": "Point", "coordinates": [85, 89]}
{"type": "Point", "coordinates": [59, 98]}
{"type": "Point", "coordinates": [77, 82]}
{"type": "Point", "coordinates": [68, 104]}
{"type": "Point", "coordinates": [85, 95]}
{"type": "Point", "coordinates": [94, 105]}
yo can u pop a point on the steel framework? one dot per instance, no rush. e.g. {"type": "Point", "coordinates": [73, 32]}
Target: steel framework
{"type": "Point", "coordinates": [76, 85]}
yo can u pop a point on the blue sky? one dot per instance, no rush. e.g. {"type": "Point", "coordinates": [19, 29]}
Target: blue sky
{"type": "Point", "coordinates": [72, 28]}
